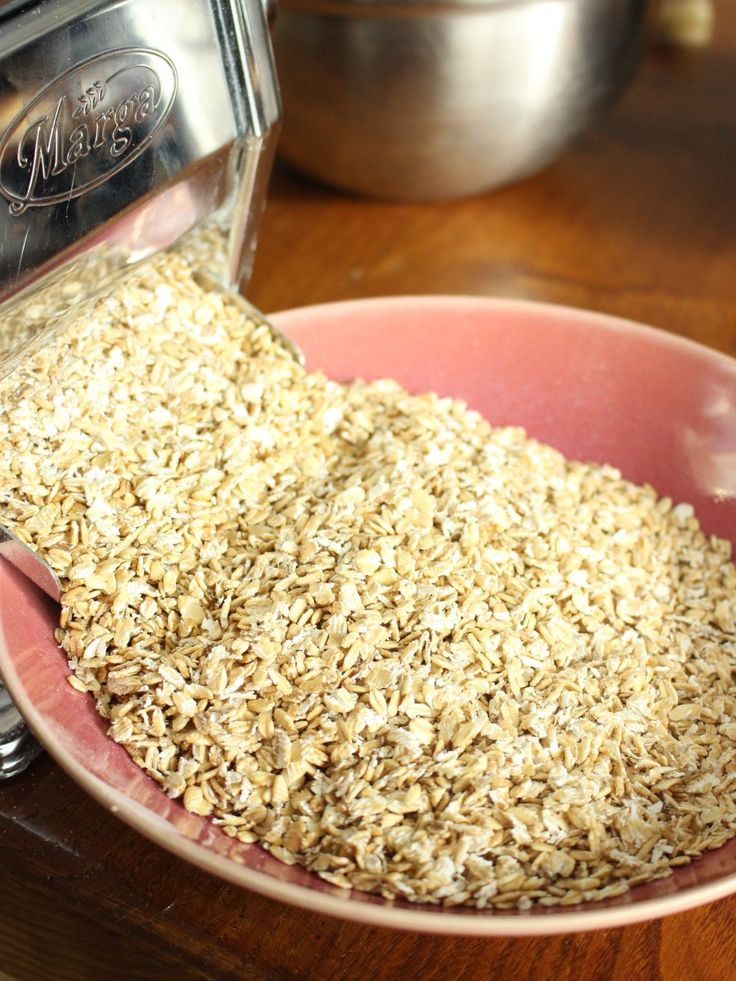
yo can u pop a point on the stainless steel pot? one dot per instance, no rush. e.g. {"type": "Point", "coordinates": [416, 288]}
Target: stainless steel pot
{"type": "Point", "coordinates": [431, 99]}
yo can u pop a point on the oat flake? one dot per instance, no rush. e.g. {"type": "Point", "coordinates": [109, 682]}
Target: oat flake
{"type": "Point", "coordinates": [501, 679]}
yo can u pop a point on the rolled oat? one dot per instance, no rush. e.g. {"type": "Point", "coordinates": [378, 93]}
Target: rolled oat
{"type": "Point", "coordinates": [419, 655]}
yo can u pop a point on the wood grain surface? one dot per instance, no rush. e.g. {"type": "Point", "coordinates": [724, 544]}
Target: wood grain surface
{"type": "Point", "coordinates": [639, 220]}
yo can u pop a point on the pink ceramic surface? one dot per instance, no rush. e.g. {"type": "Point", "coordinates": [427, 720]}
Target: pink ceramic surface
{"type": "Point", "coordinates": [660, 408]}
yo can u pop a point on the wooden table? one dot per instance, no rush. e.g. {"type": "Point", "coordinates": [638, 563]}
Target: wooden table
{"type": "Point", "coordinates": [639, 219]}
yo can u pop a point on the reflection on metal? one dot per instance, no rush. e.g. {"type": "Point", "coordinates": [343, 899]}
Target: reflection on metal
{"type": "Point", "coordinates": [162, 123]}
{"type": "Point", "coordinates": [17, 746]}
{"type": "Point", "coordinates": [29, 564]}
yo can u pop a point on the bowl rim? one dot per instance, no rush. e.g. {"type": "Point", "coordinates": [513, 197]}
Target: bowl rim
{"type": "Point", "coordinates": [490, 923]}
{"type": "Point", "coordinates": [596, 318]}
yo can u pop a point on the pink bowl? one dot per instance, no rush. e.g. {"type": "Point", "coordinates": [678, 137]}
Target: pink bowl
{"type": "Point", "coordinates": [661, 408]}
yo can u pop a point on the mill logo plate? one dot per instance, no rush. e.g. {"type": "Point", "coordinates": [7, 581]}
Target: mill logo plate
{"type": "Point", "coordinates": [85, 126]}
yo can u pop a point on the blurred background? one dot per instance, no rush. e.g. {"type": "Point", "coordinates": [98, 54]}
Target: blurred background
{"type": "Point", "coordinates": [632, 216]}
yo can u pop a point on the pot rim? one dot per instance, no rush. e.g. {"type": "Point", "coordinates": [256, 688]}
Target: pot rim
{"type": "Point", "coordinates": [382, 8]}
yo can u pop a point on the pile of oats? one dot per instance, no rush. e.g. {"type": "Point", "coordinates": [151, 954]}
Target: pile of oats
{"type": "Point", "coordinates": [27, 321]}
{"type": "Point", "coordinates": [418, 655]}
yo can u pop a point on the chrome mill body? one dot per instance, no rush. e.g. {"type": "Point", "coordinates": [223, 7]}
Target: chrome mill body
{"type": "Point", "coordinates": [124, 127]}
